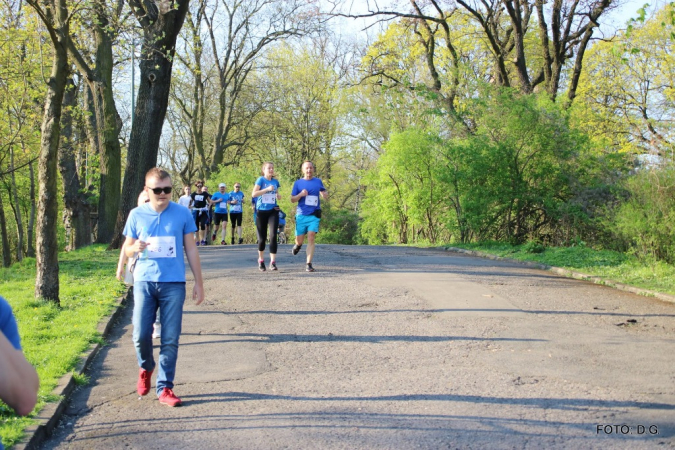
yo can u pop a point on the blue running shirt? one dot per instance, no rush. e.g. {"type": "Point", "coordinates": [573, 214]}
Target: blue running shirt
{"type": "Point", "coordinates": [307, 205]}
{"type": "Point", "coordinates": [268, 200]}
{"type": "Point", "coordinates": [162, 261]}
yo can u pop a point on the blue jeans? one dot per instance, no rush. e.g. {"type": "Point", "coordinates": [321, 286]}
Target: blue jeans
{"type": "Point", "coordinates": [169, 298]}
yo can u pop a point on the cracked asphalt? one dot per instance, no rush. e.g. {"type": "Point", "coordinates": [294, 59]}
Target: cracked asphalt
{"type": "Point", "coordinates": [392, 348]}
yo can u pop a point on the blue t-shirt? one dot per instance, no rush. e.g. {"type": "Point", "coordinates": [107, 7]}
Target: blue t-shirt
{"type": "Point", "coordinates": [239, 197]}
{"type": "Point", "coordinates": [282, 218]}
{"type": "Point", "coordinates": [162, 261]}
{"type": "Point", "coordinates": [8, 324]}
{"type": "Point", "coordinates": [310, 203]}
{"type": "Point", "coordinates": [268, 200]}
{"type": "Point", "coordinates": [221, 207]}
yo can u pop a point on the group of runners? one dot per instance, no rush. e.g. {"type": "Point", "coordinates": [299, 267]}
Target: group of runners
{"type": "Point", "coordinates": [214, 209]}
{"type": "Point", "coordinates": [157, 233]}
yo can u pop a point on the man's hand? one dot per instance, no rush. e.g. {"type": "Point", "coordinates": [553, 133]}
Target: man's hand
{"type": "Point", "coordinates": [304, 193]}
{"type": "Point", "coordinates": [198, 293]}
{"type": "Point", "coordinates": [139, 246]}
{"type": "Point", "coordinates": [120, 273]}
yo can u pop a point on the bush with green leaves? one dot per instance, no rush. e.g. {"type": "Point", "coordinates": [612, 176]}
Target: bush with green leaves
{"type": "Point", "coordinates": [507, 176]}
{"type": "Point", "coordinates": [338, 227]}
{"type": "Point", "coordinates": [646, 220]}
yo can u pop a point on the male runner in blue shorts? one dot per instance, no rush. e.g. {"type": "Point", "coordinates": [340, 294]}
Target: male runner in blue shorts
{"type": "Point", "coordinates": [306, 192]}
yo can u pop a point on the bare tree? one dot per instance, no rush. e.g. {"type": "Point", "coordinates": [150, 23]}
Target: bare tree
{"type": "Point", "coordinates": [161, 21]}
{"type": "Point", "coordinates": [505, 25]}
{"type": "Point", "coordinates": [250, 26]}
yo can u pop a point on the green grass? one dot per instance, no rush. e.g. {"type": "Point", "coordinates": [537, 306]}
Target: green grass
{"type": "Point", "coordinates": [620, 267]}
{"type": "Point", "coordinates": [54, 337]}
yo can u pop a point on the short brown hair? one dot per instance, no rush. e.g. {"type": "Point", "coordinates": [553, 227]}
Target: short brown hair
{"type": "Point", "coordinates": [158, 173]}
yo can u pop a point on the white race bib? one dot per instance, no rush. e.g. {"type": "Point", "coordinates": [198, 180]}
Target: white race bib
{"type": "Point", "coordinates": [161, 247]}
{"type": "Point", "coordinates": [269, 199]}
{"type": "Point", "coordinates": [312, 200]}
{"type": "Point", "coordinates": [222, 205]}
{"type": "Point", "coordinates": [235, 208]}
{"type": "Point", "coordinates": [199, 198]}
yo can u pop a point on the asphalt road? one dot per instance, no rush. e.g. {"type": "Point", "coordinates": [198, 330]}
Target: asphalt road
{"type": "Point", "coordinates": [388, 348]}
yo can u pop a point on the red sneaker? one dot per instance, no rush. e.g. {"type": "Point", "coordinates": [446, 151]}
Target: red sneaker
{"type": "Point", "coordinates": [169, 398]}
{"type": "Point", "coordinates": [143, 385]}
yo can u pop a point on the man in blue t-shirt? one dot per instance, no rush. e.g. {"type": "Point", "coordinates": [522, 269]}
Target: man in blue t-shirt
{"type": "Point", "coordinates": [19, 381]}
{"type": "Point", "coordinates": [306, 193]}
{"type": "Point", "coordinates": [237, 210]}
{"type": "Point", "coordinates": [220, 199]}
{"type": "Point", "coordinates": [159, 231]}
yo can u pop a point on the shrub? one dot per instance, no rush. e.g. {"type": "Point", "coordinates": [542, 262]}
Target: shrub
{"type": "Point", "coordinates": [646, 220]}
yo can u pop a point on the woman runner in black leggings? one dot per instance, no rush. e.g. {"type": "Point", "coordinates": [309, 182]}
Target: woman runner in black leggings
{"type": "Point", "coordinates": [266, 193]}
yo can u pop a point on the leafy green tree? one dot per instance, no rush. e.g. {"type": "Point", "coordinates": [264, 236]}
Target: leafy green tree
{"type": "Point", "coordinates": [21, 94]}
{"type": "Point", "coordinates": [54, 15]}
{"type": "Point", "coordinates": [405, 198]}
{"type": "Point", "coordinates": [627, 96]}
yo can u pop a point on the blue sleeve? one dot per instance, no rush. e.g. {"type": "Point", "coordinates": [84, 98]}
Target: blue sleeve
{"type": "Point", "coordinates": [322, 188]}
{"type": "Point", "coordinates": [190, 226]}
{"type": "Point", "coordinates": [130, 226]}
{"type": "Point", "coordinates": [296, 189]}
{"type": "Point", "coordinates": [8, 324]}
{"type": "Point", "coordinates": [259, 182]}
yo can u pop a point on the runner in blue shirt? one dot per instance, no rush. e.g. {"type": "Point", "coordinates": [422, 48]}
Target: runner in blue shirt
{"type": "Point", "coordinates": [159, 231]}
{"type": "Point", "coordinates": [266, 193]}
{"type": "Point", "coordinates": [236, 210]}
{"type": "Point", "coordinates": [220, 199]}
{"type": "Point", "coordinates": [306, 192]}
{"type": "Point", "coordinates": [19, 381]}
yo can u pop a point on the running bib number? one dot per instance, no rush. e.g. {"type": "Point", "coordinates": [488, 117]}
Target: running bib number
{"type": "Point", "coordinates": [222, 205]}
{"type": "Point", "coordinates": [235, 208]}
{"type": "Point", "coordinates": [312, 200]}
{"type": "Point", "coordinates": [269, 199]}
{"type": "Point", "coordinates": [161, 247]}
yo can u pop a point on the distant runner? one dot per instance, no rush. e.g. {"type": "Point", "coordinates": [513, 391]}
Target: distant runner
{"type": "Point", "coordinates": [186, 199]}
{"type": "Point", "coordinates": [266, 191]}
{"type": "Point", "coordinates": [200, 211]}
{"type": "Point", "coordinates": [220, 199]}
{"type": "Point", "coordinates": [306, 192]}
{"type": "Point", "coordinates": [236, 211]}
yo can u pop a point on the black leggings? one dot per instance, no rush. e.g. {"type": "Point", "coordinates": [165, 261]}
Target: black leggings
{"type": "Point", "coordinates": [267, 220]}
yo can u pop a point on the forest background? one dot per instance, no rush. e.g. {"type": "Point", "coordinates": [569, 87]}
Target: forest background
{"type": "Point", "coordinates": [430, 122]}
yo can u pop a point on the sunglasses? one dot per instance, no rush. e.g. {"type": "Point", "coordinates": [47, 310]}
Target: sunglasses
{"type": "Point", "coordinates": [157, 191]}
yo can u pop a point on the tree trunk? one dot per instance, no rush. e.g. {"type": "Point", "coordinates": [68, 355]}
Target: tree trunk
{"type": "Point", "coordinates": [161, 25]}
{"type": "Point", "coordinates": [47, 257]}
{"type": "Point", "coordinates": [6, 251]}
{"type": "Point", "coordinates": [76, 211]}
{"type": "Point", "coordinates": [17, 207]}
{"type": "Point", "coordinates": [90, 125]}
{"type": "Point", "coordinates": [30, 250]}
{"type": "Point", "coordinates": [108, 118]}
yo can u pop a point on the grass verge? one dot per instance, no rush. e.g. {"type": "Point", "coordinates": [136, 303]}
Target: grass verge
{"type": "Point", "coordinates": [54, 337]}
{"type": "Point", "coordinates": [620, 267]}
